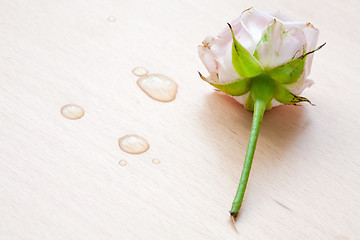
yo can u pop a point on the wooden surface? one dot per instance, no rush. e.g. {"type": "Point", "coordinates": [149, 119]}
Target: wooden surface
{"type": "Point", "coordinates": [60, 178]}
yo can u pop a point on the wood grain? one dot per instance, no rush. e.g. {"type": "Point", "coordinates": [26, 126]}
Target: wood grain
{"type": "Point", "coordinates": [60, 179]}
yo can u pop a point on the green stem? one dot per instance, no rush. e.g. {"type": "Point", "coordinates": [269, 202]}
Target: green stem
{"type": "Point", "coordinates": [259, 109]}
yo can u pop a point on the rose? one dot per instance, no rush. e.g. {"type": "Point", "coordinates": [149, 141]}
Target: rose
{"type": "Point", "coordinates": [272, 38]}
{"type": "Point", "coordinates": [263, 60]}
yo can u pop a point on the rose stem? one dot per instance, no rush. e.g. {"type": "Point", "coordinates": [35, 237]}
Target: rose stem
{"type": "Point", "coordinates": [259, 109]}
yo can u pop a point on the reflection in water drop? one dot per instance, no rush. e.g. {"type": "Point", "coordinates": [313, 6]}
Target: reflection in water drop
{"type": "Point", "coordinates": [158, 87]}
{"type": "Point", "coordinates": [139, 71]}
{"type": "Point", "coordinates": [155, 161]}
{"type": "Point", "coordinates": [133, 144]}
{"type": "Point", "coordinates": [72, 111]}
{"type": "Point", "coordinates": [122, 163]}
{"type": "Point", "coordinates": [111, 19]}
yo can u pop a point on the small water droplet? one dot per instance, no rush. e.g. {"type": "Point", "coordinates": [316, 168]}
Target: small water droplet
{"type": "Point", "coordinates": [155, 161]}
{"type": "Point", "coordinates": [111, 19]}
{"type": "Point", "coordinates": [122, 163]}
{"type": "Point", "coordinates": [133, 144]}
{"type": "Point", "coordinates": [72, 111]}
{"type": "Point", "coordinates": [158, 87]}
{"type": "Point", "coordinates": [139, 71]}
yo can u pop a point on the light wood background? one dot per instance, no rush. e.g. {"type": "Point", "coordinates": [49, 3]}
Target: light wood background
{"type": "Point", "coordinates": [60, 179]}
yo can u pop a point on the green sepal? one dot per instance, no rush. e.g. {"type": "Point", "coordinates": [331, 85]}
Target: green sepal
{"type": "Point", "coordinates": [243, 62]}
{"type": "Point", "coordinates": [286, 97]}
{"type": "Point", "coordinates": [291, 71]}
{"type": "Point", "coordinates": [288, 72]}
{"type": "Point", "coordinates": [237, 88]}
{"type": "Point", "coordinates": [249, 104]}
{"type": "Point", "coordinates": [268, 106]}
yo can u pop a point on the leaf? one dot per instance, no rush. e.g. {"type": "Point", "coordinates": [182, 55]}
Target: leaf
{"type": "Point", "coordinates": [237, 88]}
{"type": "Point", "coordinates": [243, 62]}
{"type": "Point", "coordinates": [286, 97]}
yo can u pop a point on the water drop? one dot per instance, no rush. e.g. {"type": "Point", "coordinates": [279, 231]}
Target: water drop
{"type": "Point", "coordinates": [155, 161]}
{"type": "Point", "coordinates": [133, 144]}
{"type": "Point", "coordinates": [122, 163]}
{"type": "Point", "coordinates": [111, 19]}
{"type": "Point", "coordinates": [139, 71]}
{"type": "Point", "coordinates": [158, 87]}
{"type": "Point", "coordinates": [72, 111]}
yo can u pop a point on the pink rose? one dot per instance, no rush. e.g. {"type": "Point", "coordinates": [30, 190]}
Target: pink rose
{"type": "Point", "coordinates": [262, 60]}
{"type": "Point", "coordinates": [285, 40]}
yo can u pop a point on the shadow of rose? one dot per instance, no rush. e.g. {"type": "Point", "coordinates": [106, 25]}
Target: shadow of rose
{"type": "Point", "coordinates": [229, 123]}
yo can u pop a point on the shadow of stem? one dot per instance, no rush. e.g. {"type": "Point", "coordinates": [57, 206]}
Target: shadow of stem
{"type": "Point", "coordinates": [228, 121]}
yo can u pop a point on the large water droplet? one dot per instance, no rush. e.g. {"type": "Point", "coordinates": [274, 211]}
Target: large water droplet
{"type": "Point", "coordinates": [72, 111]}
{"type": "Point", "coordinates": [133, 144]}
{"type": "Point", "coordinates": [158, 87]}
{"type": "Point", "coordinates": [139, 71]}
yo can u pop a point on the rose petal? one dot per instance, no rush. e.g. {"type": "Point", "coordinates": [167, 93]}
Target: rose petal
{"type": "Point", "coordinates": [278, 15]}
{"type": "Point", "coordinates": [280, 45]}
{"type": "Point", "coordinates": [312, 35]}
